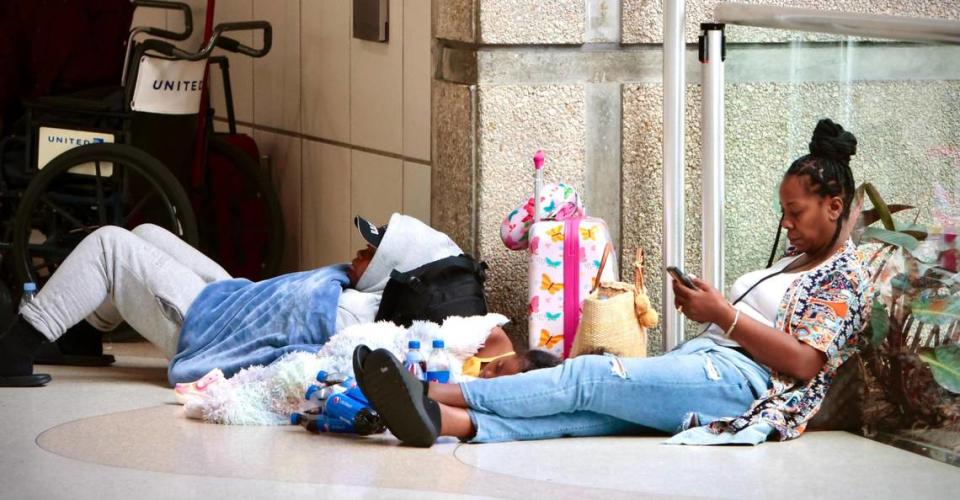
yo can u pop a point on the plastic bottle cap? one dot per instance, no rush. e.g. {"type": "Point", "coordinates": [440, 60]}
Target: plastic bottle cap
{"type": "Point", "coordinates": [438, 343]}
{"type": "Point", "coordinates": [322, 376]}
{"type": "Point", "coordinates": [538, 160]}
{"type": "Point", "coordinates": [413, 344]}
{"type": "Point", "coordinates": [310, 390]}
{"type": "Point", "coordinates": [294, 418]}
{"type": "Point", "coordinates": [30, 287]}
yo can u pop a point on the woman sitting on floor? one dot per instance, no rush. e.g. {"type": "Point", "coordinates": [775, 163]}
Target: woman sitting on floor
{"type": "Point", "coordinates": [761, 368]}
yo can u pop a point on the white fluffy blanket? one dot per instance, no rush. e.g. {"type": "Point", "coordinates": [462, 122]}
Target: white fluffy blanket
{"type": "Point", "coordinates": [267, 395]}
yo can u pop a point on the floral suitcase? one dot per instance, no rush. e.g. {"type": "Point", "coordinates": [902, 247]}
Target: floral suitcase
{"type": "Point", "coordinates": [564, 259]}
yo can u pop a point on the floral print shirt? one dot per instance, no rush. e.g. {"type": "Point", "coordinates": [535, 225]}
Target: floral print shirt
{"type": "Point", "coordinates": [826, 308]}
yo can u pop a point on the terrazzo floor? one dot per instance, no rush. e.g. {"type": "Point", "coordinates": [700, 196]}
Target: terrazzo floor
{"type": "Point", "coordinates": [102, 433]}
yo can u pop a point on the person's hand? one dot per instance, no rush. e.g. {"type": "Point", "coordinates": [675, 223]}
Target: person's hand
{"type": "Point", "coordinates": [704, 305]}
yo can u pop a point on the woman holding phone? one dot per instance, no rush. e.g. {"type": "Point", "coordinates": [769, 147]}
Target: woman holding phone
{"type": "Point", "coordinates": [760, 369]}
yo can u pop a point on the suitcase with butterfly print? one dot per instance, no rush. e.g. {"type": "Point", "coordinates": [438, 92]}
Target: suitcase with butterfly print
{"type": "Point", "coordinates": [564, 259]}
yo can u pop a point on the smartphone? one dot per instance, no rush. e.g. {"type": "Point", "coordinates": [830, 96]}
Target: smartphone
{"type": "Point", "coordinates": [681, 277]}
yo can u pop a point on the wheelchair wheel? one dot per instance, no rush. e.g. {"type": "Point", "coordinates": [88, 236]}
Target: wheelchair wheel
{"type": "Point", "coordinates": [89, 187]}
{"type": "Point", "coordinates": [243, 226]}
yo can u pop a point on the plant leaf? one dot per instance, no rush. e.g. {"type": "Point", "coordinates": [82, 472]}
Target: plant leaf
{"type": "Point", "coordinates": [871, 215]}
{"type": "Point", "coordinates": [901, 240]}
{"type": "Point", "coordinates": [913, 229]}
{"type": "Point", "coordinates": [879, 323]}
{"type": "Point", "coordinates": [944, 362]}
{"type": "Point", "coordinates": [937, 310]}
{"type": "Point", "coordinates": [882, 210]}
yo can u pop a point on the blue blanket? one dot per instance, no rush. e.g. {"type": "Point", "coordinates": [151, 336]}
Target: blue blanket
{"type": "Point", "coordinates": [236, 323]}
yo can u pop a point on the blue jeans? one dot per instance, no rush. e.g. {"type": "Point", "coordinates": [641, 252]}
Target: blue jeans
{"type": "Point", "coordinates": [604, 395]}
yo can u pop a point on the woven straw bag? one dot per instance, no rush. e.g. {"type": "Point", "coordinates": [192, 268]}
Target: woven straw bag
{"type": "Point", "coordinates": [616, 315]}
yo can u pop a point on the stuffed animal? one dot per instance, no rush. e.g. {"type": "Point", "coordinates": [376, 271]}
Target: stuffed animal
{"type": "Point", "coordinates": [268, 395]}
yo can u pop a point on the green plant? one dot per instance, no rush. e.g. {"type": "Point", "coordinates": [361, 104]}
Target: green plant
{"type": "Point", "coordinates": [911, 353]}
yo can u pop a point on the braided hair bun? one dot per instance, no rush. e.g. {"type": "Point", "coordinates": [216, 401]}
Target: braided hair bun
{"type": "Point", "coordinates": [831, 142]}
{"type": "Point", "coordinates": [827, 168]}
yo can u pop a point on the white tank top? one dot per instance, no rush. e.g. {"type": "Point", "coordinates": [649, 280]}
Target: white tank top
{"type": "Point", "coordinates": [762, 302]}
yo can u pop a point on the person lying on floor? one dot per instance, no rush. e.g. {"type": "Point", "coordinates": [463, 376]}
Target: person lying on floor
{"type": "Point", "coordinates": [267, 395]}
{"type": "Point", "coordinates": [195, 313]}
{"type": "Point", "coordinates": [760, 369]}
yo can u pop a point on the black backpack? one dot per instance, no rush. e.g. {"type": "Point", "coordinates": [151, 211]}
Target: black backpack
{"type": "Point", "coordinates": [452, 286]}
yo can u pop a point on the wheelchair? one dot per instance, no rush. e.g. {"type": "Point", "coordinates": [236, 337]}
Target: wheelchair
{"type": "Point", "coordinates": [123, 156]}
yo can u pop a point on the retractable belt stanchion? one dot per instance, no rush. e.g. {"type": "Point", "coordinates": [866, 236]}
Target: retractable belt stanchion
{"type": "Point", "coordinates": [712, 53]}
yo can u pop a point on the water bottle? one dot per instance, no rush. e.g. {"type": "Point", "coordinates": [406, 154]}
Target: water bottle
{"type": "Point", "coordinates": [414, 362]}
{"type": "Point", "coordinates": [438, 364]}
{"type": "Point", "coordinates": [304, 420]}
{"type": "Point", "coordinates": [361, 419]}
{"type": "Point", "coordinates": [315, 399]}
{"type": "Point", "coordinates": [332, 378]}
{"type": "Point", "coordinates": [347, 384]}
{"type": "Point", "coordinates": [320, 423]}
{"type": "Point", "coordinates": [355, 393]}
{"type": "Point", "coordinates": [29, 293]}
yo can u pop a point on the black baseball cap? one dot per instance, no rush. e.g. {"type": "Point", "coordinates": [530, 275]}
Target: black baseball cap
{"type": "Point", "coordinates": [371, 233]}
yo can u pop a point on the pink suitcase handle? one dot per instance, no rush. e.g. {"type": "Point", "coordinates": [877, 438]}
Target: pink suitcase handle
{"type": "Point", "coordinates": [571, 282]}
{"type": "Point", "coordinates": [538, 184]}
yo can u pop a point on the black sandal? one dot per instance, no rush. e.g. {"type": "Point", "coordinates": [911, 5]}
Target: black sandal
{"type": "Point", "coordinates": [33, 380]}
{"type": "Point", "coordinates": [81, 345]}
{"type": "Point", "coordinates": [17, 344]}
{"type": "Point", "coordinates": [360, 354]}
{"type": "Point", "coordinates": [51, 354]}
{"type": "Point", "coordinates": [398, 397]}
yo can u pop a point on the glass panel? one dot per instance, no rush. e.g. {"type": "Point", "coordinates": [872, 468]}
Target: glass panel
{"type": "Point", "coordinates": [902, 101]}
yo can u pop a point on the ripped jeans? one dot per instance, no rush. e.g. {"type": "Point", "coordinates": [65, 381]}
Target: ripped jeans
{"type": "Point", "coordinates": [604, 395]}
{"type": "Point", "coordinates": [147, 277]}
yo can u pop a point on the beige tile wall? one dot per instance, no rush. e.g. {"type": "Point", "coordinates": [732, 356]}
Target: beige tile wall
{"type": "Point", "coordinates": [276, 77]}
{"type": "Point", "coordinates": [325, 194]}
{"type": "Point", "coordinates": [376, 190]}
{"type": "Point", "coordinates": [149, 17]}
{"type": "Point", "coordinates": [286, 176]}
{"type": "Point", "coordinates": [416, 79]}
{"type": "Point", "coordinates": [376, 88]}
{"type": "Point", "coordinates": [325, 68]}
{"type": "Point", "coordinates": [416, 190]}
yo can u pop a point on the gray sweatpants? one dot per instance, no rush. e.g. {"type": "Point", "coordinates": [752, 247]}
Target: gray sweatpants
{"type": "Point", "coordinates": [147, 277]}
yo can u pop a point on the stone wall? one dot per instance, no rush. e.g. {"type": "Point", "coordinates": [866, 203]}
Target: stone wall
{"type": "Point", "coordinates": [581, 79]}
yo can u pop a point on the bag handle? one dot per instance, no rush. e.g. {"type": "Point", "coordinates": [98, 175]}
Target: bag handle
{"type": "Point", "coordinates": [603, 263]}
{"type": "Point", "coordinates": [463, 262]}
{"type": "Point", "coordinates": [407, 279]}
{"type": "Point", "coordinates": [638, 271]}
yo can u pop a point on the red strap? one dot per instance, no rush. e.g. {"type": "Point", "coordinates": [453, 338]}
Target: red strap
{"type": "Point", "coordinates": [199, 145]}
